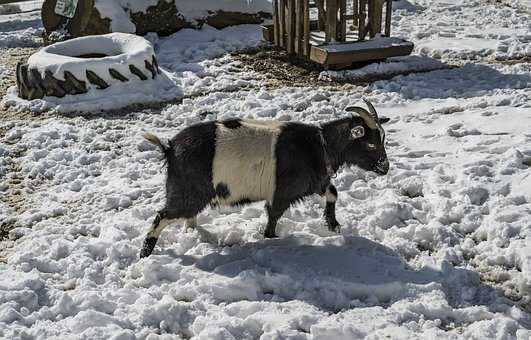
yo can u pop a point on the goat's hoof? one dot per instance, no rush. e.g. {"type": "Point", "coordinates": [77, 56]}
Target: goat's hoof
{"type": "Point", "coordinates": [334, 226]}
{"type": "Point", "coordinates": [270, 235]}
{"type": "Point", "coordinates": [148, 246]}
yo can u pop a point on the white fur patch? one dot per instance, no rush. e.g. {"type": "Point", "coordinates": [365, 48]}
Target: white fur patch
{"type": "Point", "coordinates": [245, 160]}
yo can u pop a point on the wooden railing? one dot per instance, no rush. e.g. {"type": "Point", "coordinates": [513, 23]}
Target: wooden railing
{"type": "Point", "coordinates": [292, 25]}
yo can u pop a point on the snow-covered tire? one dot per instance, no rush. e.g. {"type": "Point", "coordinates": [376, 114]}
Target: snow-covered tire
{"type": "Point", "coordinates": [74, 66]}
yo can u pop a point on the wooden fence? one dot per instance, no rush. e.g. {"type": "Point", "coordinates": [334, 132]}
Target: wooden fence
{"type": "Point", "coordinates": [292, 26]}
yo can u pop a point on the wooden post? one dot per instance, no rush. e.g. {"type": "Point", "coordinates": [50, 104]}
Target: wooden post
{"type": "Point", "coordinates": [306, 9]}
{"type": "Point", "coordinates": [331, 20]}
{"type": "Point", "coordinates": [342, 34]}
{"type": "Point", "coordinates": [282, 22]}
{"type": "Point", "coordinates": [290, 26]}
{"type": "Point", "coordinates": [355, 12]}
{"type": "Point", "coordinates": [361, 21]}
{"type": "Point", "coordinates": [298, 27]}
{"type": "Point", "coordinates": [375, 17]}
{"type": "Point", "coordinates": [276, 25]}
{"type": "Point", "coordinates": [388, 14]}
{"type": "Point", "coordinates": [321, 15]}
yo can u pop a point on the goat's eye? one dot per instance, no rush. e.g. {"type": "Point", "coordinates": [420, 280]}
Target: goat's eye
{"type": "Point", "coordinates": [371, 146]}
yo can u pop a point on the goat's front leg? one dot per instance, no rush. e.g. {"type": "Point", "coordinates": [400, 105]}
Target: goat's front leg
{"type": "Point", "coordinates": [330, 209]}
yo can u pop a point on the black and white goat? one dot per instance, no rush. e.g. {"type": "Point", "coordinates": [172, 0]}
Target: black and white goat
{"type": "Point", "coordinates": [239, 161]}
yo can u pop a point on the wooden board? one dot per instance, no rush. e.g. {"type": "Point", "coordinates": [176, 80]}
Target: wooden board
{"type": "Point", "coordinates": [348, 53]}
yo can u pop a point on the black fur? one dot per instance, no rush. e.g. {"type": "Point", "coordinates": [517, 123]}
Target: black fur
{"type": "Point", "coordinates": [189, 186]}
{"type": "Point", "coordinates": [222, 191]}
{"type": "Point", "coordinates": [243, 201]}
{"type": "Point", "coordinates": [343, 149]}
{"type": "Point", "coordinates": [148, 246]}
{"type": "Point", "coordinates": [232, 123]}
{"type": "Point", "coordinates": [333, 190]}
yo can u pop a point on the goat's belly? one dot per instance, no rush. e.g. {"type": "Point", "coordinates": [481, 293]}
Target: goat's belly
{"type": "Point", "coordinates": [244, 182]}
{"type": "Point", "coordinates": [244, 164]}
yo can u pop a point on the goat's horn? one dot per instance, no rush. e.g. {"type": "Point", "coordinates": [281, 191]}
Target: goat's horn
{"type": "Point", "coordinates": [371, 108]}
{"type": "Point", "coordinates": [365, 115]}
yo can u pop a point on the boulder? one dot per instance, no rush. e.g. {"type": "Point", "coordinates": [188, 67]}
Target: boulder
{"type": "Point", "coordinates": [93, 17]}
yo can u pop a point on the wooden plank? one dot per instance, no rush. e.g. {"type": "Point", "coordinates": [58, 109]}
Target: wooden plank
{"type": "Point", "coordinates": [298, 27]}
{"type": "Point", "coordinates": [375, 17]}
{"type": "Point", "coordinates": [282, 22]}
{"type": "Point", "coordinates": [306, 24]}
{"type": "Point", "coordinates": [323, 56]}
{"type": "Point", "coordinates": [361, 20]}
{"type": "Point", "coordinates": [290, 17]}
{"type": "Point", "coordinates": [276, 28]}
{"type": "Point", "coordinates": [388, 14]}
{"type": "Point", "coordinates": [321, 14]}
{"type": "Point", "coordinates": [331, 20]}
{"type": "Point", "coordinates": [341, 36]}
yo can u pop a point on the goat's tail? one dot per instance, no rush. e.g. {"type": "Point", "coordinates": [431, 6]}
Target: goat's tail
{"type": "Point", "coordinates": [156, 141]}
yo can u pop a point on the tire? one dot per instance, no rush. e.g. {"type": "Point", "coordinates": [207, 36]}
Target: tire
{"type": "Point", "coordinates": [79, 65]}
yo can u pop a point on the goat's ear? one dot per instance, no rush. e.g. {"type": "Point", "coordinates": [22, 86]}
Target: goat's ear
{"type": "Point", "coordinates": [357, 132]}
{"type": "Point", "coordinates": [383, 120]}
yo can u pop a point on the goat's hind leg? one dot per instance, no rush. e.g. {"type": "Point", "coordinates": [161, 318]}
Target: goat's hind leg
{"type": "Point", "coordinates": [162, 220]}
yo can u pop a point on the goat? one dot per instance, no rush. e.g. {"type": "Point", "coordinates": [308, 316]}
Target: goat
{"type": "Point", "coordinates": [238, 161]}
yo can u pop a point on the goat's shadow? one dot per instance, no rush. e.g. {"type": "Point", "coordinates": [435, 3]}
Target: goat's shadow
{"type": "Point", "coordinates": [345, 272]}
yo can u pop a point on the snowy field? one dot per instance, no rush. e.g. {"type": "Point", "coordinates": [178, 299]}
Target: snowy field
{"type": "Point", "coordinates": [440, 248]}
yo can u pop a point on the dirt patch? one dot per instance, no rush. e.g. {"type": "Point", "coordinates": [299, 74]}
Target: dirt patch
{"type": "Point", "coordinates": [280, 69]}
{"type": "Point", "coordinates": [9, 57]}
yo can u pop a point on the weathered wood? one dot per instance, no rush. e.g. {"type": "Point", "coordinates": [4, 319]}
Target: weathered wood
{"type": "Point", "coordinates": [321, 14]}
{"type": "Point", "coordinates": [361, 21]}
{"type": "Point", "coordinates": [307, 26]}
{"type": "Point", "coordinates": [134, 70]}
{"type": "Point", "coordinates": [388, 14]}
{"type": "Point", "coordinates": [342, 33]}
{"type": "Point", "coordinates": [322, 55]}
{"type": "Point", "coordinates": [117, 75]}
{"type": "Point", "coordinates": [331, 20]}
{"type": "Point", "coordinates": [375, 17]}
{"type": "Point", "coordinates": [298, 27]}
{"type": "Point", "coordinates": [290, 17]}
{"type": "Point", "coordinates": [282, 22]}
{"type": "Point", "coordinates": [276, 25]}
{"type": "Point", "coordinates": [94, 79]}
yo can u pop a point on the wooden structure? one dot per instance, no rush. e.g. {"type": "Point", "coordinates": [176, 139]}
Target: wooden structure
{"type": "Point", "coordinates": [334, 32]}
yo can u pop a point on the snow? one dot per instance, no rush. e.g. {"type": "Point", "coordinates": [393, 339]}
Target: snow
{"type": "Point", "coordinates": [438, 248]}
{"type": "Point", "coordinates": [118, 10]}
{"type": "Point", "coordinates": [20, 30]}
{"type": "Point", "coordinates": [389, 68]}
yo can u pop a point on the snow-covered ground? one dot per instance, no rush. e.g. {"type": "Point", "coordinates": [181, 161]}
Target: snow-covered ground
{"type": "Point", "coordinates": [438, 248]}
